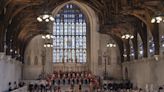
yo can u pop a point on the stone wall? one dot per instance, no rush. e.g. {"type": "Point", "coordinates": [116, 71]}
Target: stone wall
{"type": "Point", "coordinates": [34, 52]}
{"type": "Point", "coordinates": [113, 65]}
{"type": "Point", "coordinates": [35, 49]}
{"type": "Point", "coordinates": [98, 47]}
{"type": "Point", "coordinates": [144, 72]}
{"type": "Point", "coordinates": [10, 71]}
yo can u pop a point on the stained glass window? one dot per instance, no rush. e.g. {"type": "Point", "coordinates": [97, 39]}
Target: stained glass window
{"type": "Point", "coordinates": [132, 52]}
{"type": "Point", "coordinates": [70, 35]}
{"type": "Point", "coordinates": [140, 47]}
{"type": "Point", "coordinates": [151, 47]}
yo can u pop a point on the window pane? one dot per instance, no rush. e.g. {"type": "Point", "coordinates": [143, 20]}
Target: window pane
{"type": "Point", "coordinates": [70, 35]}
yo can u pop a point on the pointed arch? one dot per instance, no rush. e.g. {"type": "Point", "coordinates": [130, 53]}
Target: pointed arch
{"type": "Point", "coordinates": [70, 32]}
{"type": "Point", "coordinates": [93, 24]}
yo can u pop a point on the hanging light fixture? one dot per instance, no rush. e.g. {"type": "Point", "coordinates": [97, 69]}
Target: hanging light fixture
{"type": "Point", "coordinates": [48, 45]}
{"type": "Point", "coordinates": [127, 36]}
{"type": "Point", "coordinates": [47, 36]}
{"type": "Point", "coordinates": [158, 18]}
{"type": "Point", "coordinates": [111, 45]}
{"type": "Point", "coordinates": [124, 55]}
{"type": "Point", "coordinates": [46, 16]}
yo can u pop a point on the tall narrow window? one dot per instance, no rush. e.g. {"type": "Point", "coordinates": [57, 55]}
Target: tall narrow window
{"type": "Point", "coordinates": [162, 44]}
{"type": "Point", "coordinates": [151, 47]}
{"type": "Point", "coordinates": [131, 51]}
{"type": "Point", "coordinates": [141, 51]}
{"type": "Point", "coordinates": [70, 35]}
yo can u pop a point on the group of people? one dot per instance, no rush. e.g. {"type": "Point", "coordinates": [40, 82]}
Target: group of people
{"type": "Point", "coordinates": [15, 85]}
{"type": "Point", "coordinates": [39, 86]}
{"type": "Point", "coordinates": [127, 86]}
{"type": "Point", "coordinates": [73, 78]}
{"type": "Point", "coordinates": [57, 79]}
{"type": "Point", "coordinates": [117, 86]}
{"type": "Point", "coordinates": [80, 82]}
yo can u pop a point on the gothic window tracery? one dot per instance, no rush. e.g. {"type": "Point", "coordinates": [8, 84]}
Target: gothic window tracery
{"type": "Point", "coordinates": [70, 35]}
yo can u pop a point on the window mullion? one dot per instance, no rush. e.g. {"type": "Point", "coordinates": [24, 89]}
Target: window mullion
{"type": "Point", "coordinates": [70, 33]}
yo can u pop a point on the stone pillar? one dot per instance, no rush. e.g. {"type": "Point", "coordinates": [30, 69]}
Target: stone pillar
{"type": "Point", "coordinates": [145, 41]}
{"type": "Point", "coordinates": [156, 38]}
{"type": "Point", "coordinates": [135, 45]}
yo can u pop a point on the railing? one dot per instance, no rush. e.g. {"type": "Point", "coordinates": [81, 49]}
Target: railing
{"type": "Point", "coordinates": [22, 89]}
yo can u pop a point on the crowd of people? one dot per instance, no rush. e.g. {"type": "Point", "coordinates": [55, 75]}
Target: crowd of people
{"type": "Point", "coordinates": [15, 85]}
{"type": "Point", "coordinates": [127, 86]}
{"type": "Point", "coordinates": [71, 77]}
{"type": "Point", "coordinates": [78, 81]}
{"type": "Point", "coordinates": [57, 79]}
{"type": "Point", "coordinates": [117, 86]}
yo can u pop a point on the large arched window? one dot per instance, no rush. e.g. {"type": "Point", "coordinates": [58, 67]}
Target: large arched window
{"type": "Point", "coordinates": [70, 35]}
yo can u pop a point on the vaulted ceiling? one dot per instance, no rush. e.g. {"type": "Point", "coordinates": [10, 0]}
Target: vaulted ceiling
{"type": "Point", "coordinates": [18, 24]}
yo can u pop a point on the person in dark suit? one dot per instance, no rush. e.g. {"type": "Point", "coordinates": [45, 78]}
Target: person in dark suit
{"type": "Point", "coordinates": [80, 88]}
{"type": "Point", "coordinates": [59, 81]}
{"type": "Point", "coordinates": [68, 80]}
{"type": "Point", "coordinates": [73, 81]}
{"type": "Point", "coordinates": [20, 84]}
{"type": "Point", "coordinates": [10, 88]}
{"type": "Point", "coordinates": [63, 81]}
{"type": "Point", "coordinates": [36, 87]}
{"type": "Point", "coordinates": [85, 81]}
{"type": "Point", "coordinates": [140, 90]}
{"type": "Point", "coordinates": [30, 87]}
{"type": "Point", "coordinates": [77, 81]}
{"type": "Point", "coordinates": [15, 85]}
{"type": "Point", "coordinates": [109, 86]}
{"type": "Point", "coordinates": [81, 80]}
{"type": "Point", "coordinates": [159, 89]}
